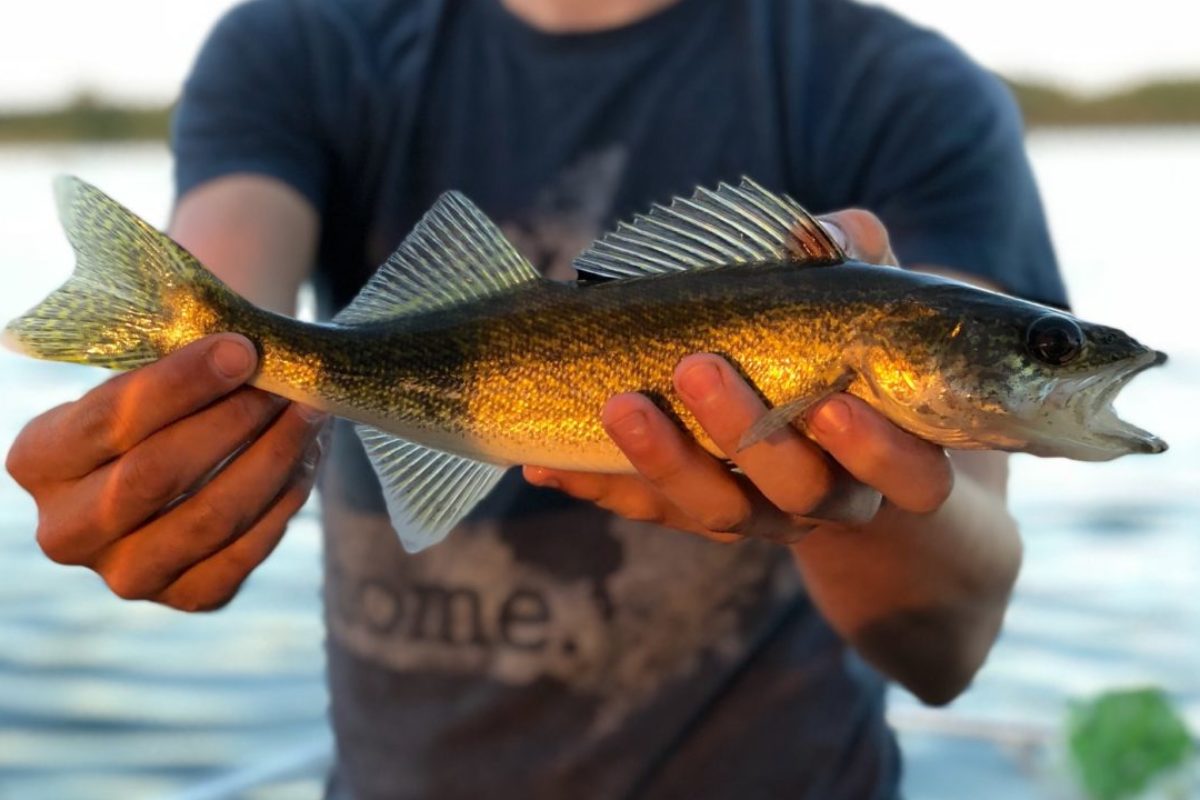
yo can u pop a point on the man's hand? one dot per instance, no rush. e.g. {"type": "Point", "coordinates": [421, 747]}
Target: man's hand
{"type": "Point", "coordinates": [919, 585]}
{"type": "Point", "coordinates": [126, 479]}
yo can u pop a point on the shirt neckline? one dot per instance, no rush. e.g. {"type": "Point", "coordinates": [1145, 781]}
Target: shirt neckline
{"type": "Point", "coordinates": [604, 38]}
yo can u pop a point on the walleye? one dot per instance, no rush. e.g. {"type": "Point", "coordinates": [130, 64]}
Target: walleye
{"type": "Point", "coordinates": [457, 360]}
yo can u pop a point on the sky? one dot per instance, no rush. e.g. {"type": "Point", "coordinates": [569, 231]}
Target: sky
{"type": "Point", "coordinates": [140, 50]}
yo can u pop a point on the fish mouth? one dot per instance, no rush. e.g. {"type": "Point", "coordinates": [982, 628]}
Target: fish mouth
{"type": "Point", "coordinates": [1090, 399]}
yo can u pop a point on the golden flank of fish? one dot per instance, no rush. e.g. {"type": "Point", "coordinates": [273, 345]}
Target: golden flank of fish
{"type": "Point", "coordinates": [457, 360]}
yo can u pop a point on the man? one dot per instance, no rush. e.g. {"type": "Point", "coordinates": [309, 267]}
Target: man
{"type": "Point", "coordinates": [550, 648]}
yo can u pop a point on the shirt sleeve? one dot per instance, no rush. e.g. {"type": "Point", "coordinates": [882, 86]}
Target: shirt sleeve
{"type": "Point", "coordinates": [934, 145]}
{"type": "Point", "coordinates": [249, 104]}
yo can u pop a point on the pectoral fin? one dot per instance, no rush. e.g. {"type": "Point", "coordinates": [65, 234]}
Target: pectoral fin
{"type": "Point", "coordinates": [781, 416]}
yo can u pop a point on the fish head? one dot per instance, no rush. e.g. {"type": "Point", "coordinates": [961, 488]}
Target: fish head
{"type": "Point", "coordinates": [969, 368]}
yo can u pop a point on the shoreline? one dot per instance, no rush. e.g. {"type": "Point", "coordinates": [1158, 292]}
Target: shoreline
{"type": "Point", "coordinates": [89, 118]}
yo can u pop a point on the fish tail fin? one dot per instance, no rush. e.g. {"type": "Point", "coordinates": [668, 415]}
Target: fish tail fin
{"type": "Point", "coordinates": [134, 296]}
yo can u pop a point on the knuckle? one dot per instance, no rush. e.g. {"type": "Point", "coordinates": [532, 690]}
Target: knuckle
{"type": "Point", "coordinates": [722, 538]}
{"type": "Point", "coordinates": [869, 233]}
{"type": "Point", "coordinates": [868, 222]}
{"type": "Point", "coordinates": [144, 476]}
{"type": "Point", "coordinates": [96, 419]}
{"type": "Point", "coordinates": [933, 493]}
{"type": "Point", "coordinates": [875, 461]}
{"type": "Point", "coordinates": [588, 489]}
{"type": "Point", "coordinates": [790, 534]}
{"type": "Point", "coordinates": [20, 458]}
{"type": "Point", "coordinates": [207, 521]}
{"type": "Point", "coordinates": [663, 470]}
{"type": "Point", "coordinates": [642, 508]}
{"type": "Point", "coordinates": [30, 447]}
{"type": "Point", "coordinates": [282, 456]}
{"type": "Point", "coordinates": [240, 562]}
{"type": "Point", "coordinates": [724, 520]}
{"type": "Point", "coordinates": [126, 583]}
{"type": "Point", "coordinates": [54, 543]}
{"type": "Point", "coordinates": [802, 499]}
{"type": "Point", "coordinates": [800, 505]}
{"type": "Point", "coordinates": [303, 487]}
{"type": "Point", "coordinates": [286, 450]}
{"type": "Point", "coordinates": [248, 409]}
{"type": "Point", "coordinates": [200, 602]}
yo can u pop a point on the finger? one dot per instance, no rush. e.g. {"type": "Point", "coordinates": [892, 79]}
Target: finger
{"type": "Point", "coordinates": [27, 456]}
{"type": "Point", "coordinates": [141, 564]}
{"type": "Point", "coordinates": [863, 236]}
{"type": "Point", "coordinates": [629, 496]}
{"type": "Point", "coordinates": [117, 498]}
{"type": "Point", "coordinates": [677, 466]}
{"type": "Point", "coordinates": [213, 582]}
{"type": "Point", "coordinates": [912, 473]}
{"type": "Point", "coordinates": [73, 440]}
{"type": "Point", "coordinates": [589, 486]}
{"type": "Point", "coordinates": [791, 472]}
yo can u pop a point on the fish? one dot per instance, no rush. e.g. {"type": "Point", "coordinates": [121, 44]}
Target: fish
{"type": "Point", "coordinates": [457, 360]}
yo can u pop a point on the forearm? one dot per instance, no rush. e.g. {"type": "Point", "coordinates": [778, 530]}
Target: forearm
{"type": "Point", "coordinates": [921, 596]}
{"type": "Point", "coordinates": [255, 233]}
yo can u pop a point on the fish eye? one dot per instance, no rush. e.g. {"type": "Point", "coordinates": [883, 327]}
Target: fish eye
{"type": "Point", "coordinates": [1054, 339]}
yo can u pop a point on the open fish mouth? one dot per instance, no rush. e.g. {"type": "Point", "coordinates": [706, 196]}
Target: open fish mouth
{"type": "Point", "coordinates": [1104, 435]}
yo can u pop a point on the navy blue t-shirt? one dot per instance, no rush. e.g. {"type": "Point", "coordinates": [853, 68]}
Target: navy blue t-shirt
{"type": "Point", "coordinates": [548, 649]}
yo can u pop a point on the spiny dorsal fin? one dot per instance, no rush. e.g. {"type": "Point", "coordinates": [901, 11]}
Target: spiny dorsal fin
{"type": "Point", "coordinates": [454, 255]}
{"type": "Point", "coordinates": [427, 491]}
{"type": "Point", "coordinates": [745, 224]}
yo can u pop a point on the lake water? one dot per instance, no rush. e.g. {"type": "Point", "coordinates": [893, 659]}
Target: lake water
{"type": "Point", "coordinates": [101, 699]}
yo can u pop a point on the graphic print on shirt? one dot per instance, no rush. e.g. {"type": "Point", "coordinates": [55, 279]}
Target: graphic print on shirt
{"type": "Point", "coordinates": [535, 585]}
{"type": "Point", "coordinates": [565, 216]}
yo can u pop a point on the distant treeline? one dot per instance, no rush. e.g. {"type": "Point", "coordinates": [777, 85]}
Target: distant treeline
{"type": "Point", "coordinates": [1159, 103]}
{"type": "Point", "coordinates": [89, 118]}
{"type": "Point", "coordinates": [86, 119]}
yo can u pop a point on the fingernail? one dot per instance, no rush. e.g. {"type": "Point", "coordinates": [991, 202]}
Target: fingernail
{"type": "Point", "coordinates": [701, 382]}
{"type": "Point", "coordinates": [312, 416]}
{"type": "Point", "coordinates": [312, 456]}
{"type": "Point", "coordinates": [231, 358]}
{"type": "Point", "coordinates": [837, 234]}
{"type": "Point", "coordinates": [542, 477]}
{"type": "Point", "coordinates": [833, 418]}
{"type": "Point", "coordinates": [630, 427]}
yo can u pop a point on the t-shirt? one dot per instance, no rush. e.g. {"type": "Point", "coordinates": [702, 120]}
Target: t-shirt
{"type": "Point", "coordinates": [547, 648]}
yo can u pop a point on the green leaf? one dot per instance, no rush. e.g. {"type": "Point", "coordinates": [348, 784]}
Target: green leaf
{"type": "Point", "coordinates": [1121, 741]}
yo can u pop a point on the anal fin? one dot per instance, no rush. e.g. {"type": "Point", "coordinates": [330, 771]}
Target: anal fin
{"type": "Point", "coordinates": [427, 491]}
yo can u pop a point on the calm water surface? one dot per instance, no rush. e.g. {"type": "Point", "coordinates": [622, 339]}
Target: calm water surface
{"type": "Point", "coordinates": [100, 698]}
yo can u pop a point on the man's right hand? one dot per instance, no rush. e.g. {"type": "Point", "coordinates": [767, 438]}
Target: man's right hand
{"type": "Point", "coordinates": [126, 478]}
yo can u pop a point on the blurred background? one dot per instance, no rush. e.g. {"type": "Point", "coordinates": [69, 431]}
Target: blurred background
{"type": "Point", "coordinates": [101, 698]}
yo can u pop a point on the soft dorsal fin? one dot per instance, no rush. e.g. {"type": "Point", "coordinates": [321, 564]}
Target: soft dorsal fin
{"type": "Point", "coordinates": [454, 255]}
{"type": "Point", "coordinates": [743, 224]}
